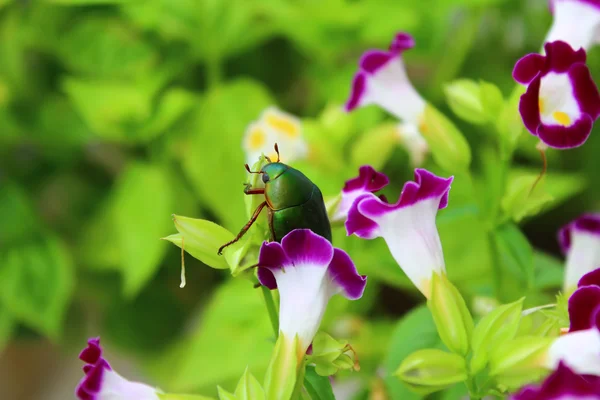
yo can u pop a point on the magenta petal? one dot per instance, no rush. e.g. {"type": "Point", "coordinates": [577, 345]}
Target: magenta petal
{"type": "Point", "coordinates": [92, 352]}
{"type": "Point", "coordinates": [585, 90]}
{"type": "Point", "coordinates": [560, 56]}
{"type": "Point", "coordinates": [426, 185]}
{"type": "Point", "coordinates": [272, 255]}
{"type": "Point", "coordinates": [93, 380]}
{"type": "Point", "coordinates": [590, 279]}
{"type": "Point", "coordinates": [528, 67]}
{"type": "Point", "coordinates": [583, 304]}
{"type": "Point", "coordinates": [303, 246]}
{"type": "Point", "coordinates": [266, 278]}
{"type": "Point", "coordinates": [402, 42]}
{"type": "Point", "coordinates": [566, 137]}
{"type": "Point", "coordinates": [562, 384]}
{"type": "Point", "coordinates": [564, 238]}
{"type": "Point", "coordinates": [368, 179]}
{"type": "Point", "coordinates": [589, 223]}
{"type": "Point", "coordinates": [373, 60]}
{"type": "Point", "coordinates": [357, 223]}
{"type": "Point", "coordinates": [359, 85]}
{"type": "Point", "coordinates": [529, 106]}
{"type": "Point", "coordinates": [343, 272]}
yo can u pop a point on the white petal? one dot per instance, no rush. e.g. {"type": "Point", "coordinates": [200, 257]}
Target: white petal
{"type": "Point", "coordinates": [414, 242]}
{"type": "Point", "coordinates": [556, 96]}
{"type": "Point", "coordinates": [115, 387]}
{"type": "Point", "coordinates": [583, 257]}
{"type": "Point", "coordinates": [575, 22]}
{"type": "Point", "coordinates": [305, 292]}
{"type": "Point", "coordinates": [391, 89]}
{"type": "Point", "coordinates": [579, 350]}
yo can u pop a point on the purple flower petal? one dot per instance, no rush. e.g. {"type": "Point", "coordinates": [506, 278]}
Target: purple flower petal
{"type": "Point", "coordinates": [589, 223]}
{"type": "Point", "coordinates": [562, 384]}
{"type": "Point", "coordinates": [303, 246]}
{"type": "Point", "coordinates": [92, 352]}
{"type": "Point", "coordinates": [358, 224]}
{"type": "Point", "coordinates": [273, 256]}
{"type": "Point", "coordinates": [566, 137]}
{"type": "Point", "coordinates": [583, 305]}
{"type": "Point", "coordinates": [529, 106]}
{"type": "Point", "coordinates": [593, 3]}
{"type": "Point", "coordinates": [344, 274]}
{"type": "Point", "coordinates": [368, 179]}
{"type": "Point", "coordinates": [373, 60]}
{"type": "Point", "coordinates": [590, 279]}
{"type": "Point", "coordinates": [266, 278]}
{"type": "Point", "coordinates": [585, 90]}
{"type": "Point", "coordinates": [527, 68]}
{"type": "Point", "coordinates": [359, 85]}
{"type": "Point", "coordinates": [402, 42]}
{"type": "Point", "coordinates": [560, 56]}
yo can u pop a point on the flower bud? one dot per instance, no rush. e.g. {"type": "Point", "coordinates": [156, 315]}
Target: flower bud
{"type": "Point", "coordinates": [430, 370]}
{"type": "Point", "coordinates": [330, 355]}
{"type": "Point", "coordinates": [498, 326]}
{"type": "Point", "coordinates": [450, 314]}
{"type": "Point", "coordinates": [281, 374]}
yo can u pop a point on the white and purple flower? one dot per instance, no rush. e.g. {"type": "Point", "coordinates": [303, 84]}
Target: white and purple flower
{"type": "Point", "coordinates": [408, 227]}
{"type": "Point", "coordinates": [562, 384]}
{"type": "Point", "coordinates": [367, 181]}
{"type": "Point", "coordinates": [101, 382]}
{"type": "Point", "coordinates": [562, 101]}
{"type": "Point", "coordinates": [580, 242]}
{"type": "Point", "coordinates": [576, 22]}
{"type": "Point", "coordinates": [381, 79]}
{"type": "Point", "coordinates": [579, 349]}
{"type": "Point", "coordinates": [308, 271]}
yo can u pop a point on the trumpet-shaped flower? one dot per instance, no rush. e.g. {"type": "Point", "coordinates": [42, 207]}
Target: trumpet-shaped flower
{"type": "Point", "coordinates": [562, 101]}
{"type": "Point", "coordinates": [101, 382]}
{"type": "Point", "coordinates": [381, 79]}
{"type": "Point", "coordinates": [367, 181]}
{"type": "Point", "coordinates": [408, 227]}
{"type": "Point", "coordinates": [414, 143]}
{"type": "Point", "coordinates": [580, 242]}
{"type": "Point", "coordinates": [308, 271]}
{"type": "Point", "coordinates": [562, 384]}
{"type": "Point", "coordinates": [576, 22]}
{"type": "Point", "coordinates": [275, 126]}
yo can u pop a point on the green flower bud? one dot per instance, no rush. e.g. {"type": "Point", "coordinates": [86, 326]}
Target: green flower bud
{"type": "Point", "coordinates": [450, 314]}
{"type": "Point", "coordinates": [429, 370]}
{"type": "Point", "coordinates": [516, 362]}
{"type": "Point", "coordinates": [448, 146]}
{"type": "Point", "coordinates": [281, 374]}
{"type": "Point", "coordinates": [224, 394]}
{"type": "Point", "coordinates": [464, 99]}
{"type": "Point", "coordinates": [375, 146]}
{"type": "Point", "coordinates": [498, 326]}
{"type": "Point", "coordinates": [330, 355]}
{"type": "Point", "coordinates": [248, 388]}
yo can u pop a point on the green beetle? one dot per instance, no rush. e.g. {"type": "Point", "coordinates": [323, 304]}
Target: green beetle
{"type": "Point", "coordinates": [293, 202]}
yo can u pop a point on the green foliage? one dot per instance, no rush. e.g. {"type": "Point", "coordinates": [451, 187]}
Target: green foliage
{"type": "Point", "coordinates": [318, 387]}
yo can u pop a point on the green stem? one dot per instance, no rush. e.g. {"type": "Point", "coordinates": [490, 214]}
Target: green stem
{"type": "Point", "coordinates": [299, 380]}
{"type": "Point", "coordinates": [271, 309]}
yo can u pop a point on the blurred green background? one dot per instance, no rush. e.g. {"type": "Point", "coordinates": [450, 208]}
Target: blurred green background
{"type": "Point", "coordinates": [116, 114]}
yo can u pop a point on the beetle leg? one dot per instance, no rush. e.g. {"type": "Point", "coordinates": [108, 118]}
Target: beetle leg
{"type": "Point", "coordinates": [245, 228]}
{"type": "Point", "coordinates": [249, 190]}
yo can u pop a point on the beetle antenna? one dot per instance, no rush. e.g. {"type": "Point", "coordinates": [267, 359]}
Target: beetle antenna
{"type": "Point", "coordinates": [252, 172]}
{"type": "Point", "coordinates": [277, 151]}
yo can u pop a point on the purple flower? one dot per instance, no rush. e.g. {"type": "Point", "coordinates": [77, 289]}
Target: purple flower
{"type": "Point", "coordinates": [381, 79]}
{"type": "Point", "coordinates": [561, 102]}
{"type": "Point", "coordinates": [580, 242]}
{"type": "Point", "coordinates": [367, 181]}
{"type": "Point", "coordinates": [562, 384]}
{"type": "Point", "coordinates": [576, 22]}
{"type": "Point", "coordinates": [408, 227]}
{"type": "Point", "coordinates": [308, 271]}
{"type": "Point", "coordinates": [101, 382]}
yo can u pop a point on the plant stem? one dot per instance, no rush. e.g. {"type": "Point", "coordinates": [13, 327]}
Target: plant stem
{"type": "Point", "coordinates": [271, 309]}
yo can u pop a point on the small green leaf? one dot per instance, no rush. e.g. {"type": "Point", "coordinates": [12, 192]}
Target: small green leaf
{"type": "Point", "coordinates": [465, 100]}
{"type": "Point", "coordinates": [520, 201]}
{"type": "Point", "coordinates": [509, 123]}
{"type": "Point", "coordinates": [491, 100]}
{"type": "Point", "coordinates": [141, 218]}
{"type": "Point", "coordinates": [281, 374]}
{"type": "Point", "coordinates": [317, 386]}
{"type": "Point", "coordinates": [516, 255]}
{"type": "Point", "coordinates": [430, 370]}
{"type": "Point", "coordinates": [224, 394]}
{"type": "Point", "coordinates": [375, 146]}
{"type": "Point", "coordinates": [36, 281]}
{"type": "Point", "coordinates": [248, 388]}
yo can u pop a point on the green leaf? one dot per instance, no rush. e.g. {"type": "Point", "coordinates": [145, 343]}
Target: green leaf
{"type": "Point", "coordinates": [509, 123]}
{"type": "Point", "coordinates": [318, 387]}
{"type": "Point", "coordinates": [465, 100]}
{"type": "Point", "coordinates": [520, 201]}
{"type": "Point", "coordinates": [516, 259]}
{"type": "Point", "coordinates": [249, 388]}
{"type": "Point", "coordinates": [173, 104]}
{"type": "Point", "coordinates": [281, 375]}
{"type": "Point", "coordinates": [183, 397]}
{"type": "Point", "coordinates": [549, 271]}
{"type": "Point", "coordinates": [142, 205]}
{"type": "Point", "coordinates": [17, 214]}
{"type": "Point", "coordinates": [413, 332]}
{"type": "Point", "coordinates": [491, 100]}
{"type": "Point", "coordinates": [37, 281]}
{"type": "Point", "coordinates": [224, 394]}
{"type": "Point", "coordinates": [233, 333]}
{"type": "Point", "coordinates": [220, 123]}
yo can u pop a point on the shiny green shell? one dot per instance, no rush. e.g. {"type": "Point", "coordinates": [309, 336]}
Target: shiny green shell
{"type": "Point", "coordinates": [294, 202]}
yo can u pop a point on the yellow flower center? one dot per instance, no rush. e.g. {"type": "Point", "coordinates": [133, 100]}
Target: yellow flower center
{"type": "Point", "coordinates": [562, 118]}
{"type": "Point", "coordinates": [256, 139]}
{"type": "Point", "coordinates": [284, 125]}
{"type": "Point", "coordinates": [541, 105]}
